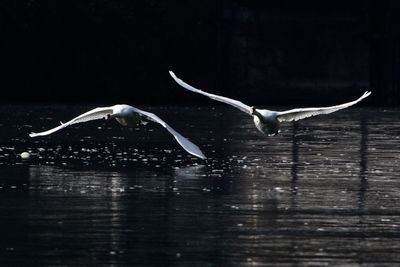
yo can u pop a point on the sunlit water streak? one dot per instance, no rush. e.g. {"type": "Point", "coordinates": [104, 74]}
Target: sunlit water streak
{"type": "Point", "coordinates": [326, 190]}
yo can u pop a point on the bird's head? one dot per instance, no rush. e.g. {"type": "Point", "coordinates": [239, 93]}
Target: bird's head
{"type": "Point", "coordinates": [253, 110]}
{"type": "Point", "coordinates": [107, 117]}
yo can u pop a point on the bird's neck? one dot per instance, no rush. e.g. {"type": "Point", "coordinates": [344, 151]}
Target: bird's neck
{"type": "Point", "coordinates": [114, 115]}
{"type": "Point", "coordinates": [258, 115]}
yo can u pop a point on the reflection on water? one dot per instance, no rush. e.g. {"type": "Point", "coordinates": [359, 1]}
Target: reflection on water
{"type": "Point", "coordinates": [325, 191]}
{"type": "Point", "coordinates": [363, 163]}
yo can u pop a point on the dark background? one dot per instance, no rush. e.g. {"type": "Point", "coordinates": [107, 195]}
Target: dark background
{"type": "Point", "coordinates": [261, 52]}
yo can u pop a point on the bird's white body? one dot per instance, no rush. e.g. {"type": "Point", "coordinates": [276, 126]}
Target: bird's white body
{"type": "Point", "coordinates": [266, 121]}
{"type": "Point", "coordinates": [269, 121]}
{"type": "Point", "coordinates": [127, 116]}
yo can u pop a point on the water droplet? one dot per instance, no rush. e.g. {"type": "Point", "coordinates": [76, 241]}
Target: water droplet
{"type": "Point", "coordinates": [25, 155]}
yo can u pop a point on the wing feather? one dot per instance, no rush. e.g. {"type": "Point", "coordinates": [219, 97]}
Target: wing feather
{"type": "Point", "coordinates": [183, 141]}
{"type": "Point", "coordinates": [226, 100]}
{"type": "Point", "coordinates": [302, 113]}
{"type": "Point", "coordinates": [94, 114]}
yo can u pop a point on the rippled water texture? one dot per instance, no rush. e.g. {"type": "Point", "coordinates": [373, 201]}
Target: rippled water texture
{"type": "Point", "coordinates": [325, 191]}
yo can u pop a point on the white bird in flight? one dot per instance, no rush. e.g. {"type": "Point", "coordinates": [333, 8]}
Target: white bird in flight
{"type": "Point", "coordinates": [268, 121]}
{"type": "Point", "coordinates": [127, 116]}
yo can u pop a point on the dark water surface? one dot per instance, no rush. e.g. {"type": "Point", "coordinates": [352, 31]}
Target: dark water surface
{"type": "Point", "coordinates": [325, 191]}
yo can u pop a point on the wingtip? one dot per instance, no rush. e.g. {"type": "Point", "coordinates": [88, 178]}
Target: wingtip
{"type": "Point", "coordinates": [198, 153]}
{"type": "Point", "coordinates": [366, 94]}
{"type": "Point", "coordinates": [32, 134]}
{"type": "Point", "coordinates": [202, 156]}
{"type": "Point", "coordinates": [172, 74]}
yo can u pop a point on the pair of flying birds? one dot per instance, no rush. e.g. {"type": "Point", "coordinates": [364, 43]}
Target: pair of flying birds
{"type": "Point", "coordinates": [266, 121]}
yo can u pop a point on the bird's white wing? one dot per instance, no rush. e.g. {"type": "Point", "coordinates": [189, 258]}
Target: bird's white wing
{"type": "Point", "coordinates": [302, 113]}
{"type": "Point", "coordinates": [94, 114]}
{"type": "Point", "coordinates": [229, 101]}
{"type": "Point", "coordinates": [184, 142]}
